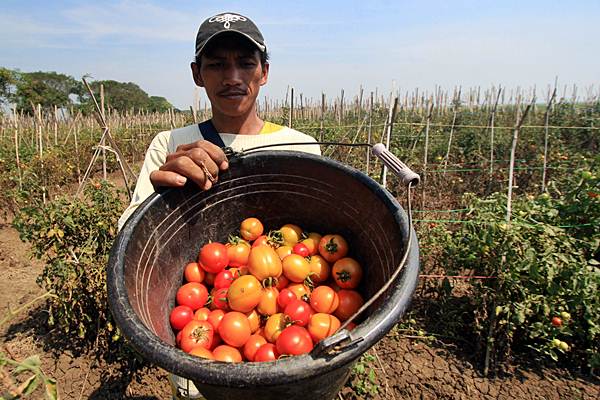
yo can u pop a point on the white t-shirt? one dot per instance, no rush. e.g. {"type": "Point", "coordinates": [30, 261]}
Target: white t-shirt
{"type": "Point", "coordinates": [166, 142]}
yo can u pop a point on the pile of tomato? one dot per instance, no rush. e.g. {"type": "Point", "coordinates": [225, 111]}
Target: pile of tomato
{"type": "Point", "coordinates": [263, 296]}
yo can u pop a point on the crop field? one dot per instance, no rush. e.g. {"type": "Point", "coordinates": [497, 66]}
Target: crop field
{"type": "Point", "coordinates": [507, 215]}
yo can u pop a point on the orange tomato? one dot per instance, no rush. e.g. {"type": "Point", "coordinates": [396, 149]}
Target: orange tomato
{"type": "Point", "coordinates": [227, 354]}
{"type": "Point", "coordinates": [215, 317]}
{"type": "Point", "coordinates": [202, 352]}
{"type": "Point", "coordinates": [254, 320]}
{"type": "Point", "coordinates": [301, 291]}
{"type": "Point", "coordinates": [319, 268]}
{"type": "Point", "coordinates": [291, 234]}
{"type": "Point", "coordinates": [238, 252]}
{"type": "Point", "coordinates": [322, 325]}
{"type": "Point", "coordinates": [324, 299]}
{"type": "Point", "coordinates": [350, 302]}
{"type": "Point", "coordinates": [274, 325]}
{"type": "Point", "coordinates": [264, 263]}
{"type": "Point", "coordinates": [234, 329]}
{"type": "Point", "coordinates": [283, 251]}
{"type": "Point", "coordinates": [201, 314]}
{"type": "Point", "coordinates": [268, 301]}
{"type": "Point", "coordinates": [312, 242]}
{"type": "Point", "coordinates": [347, 273]}
{"type": "Point", "coordinates": [296, 268]}
{"type": "Point", "coordinates": [193, 273]}
{"type": "Point", "coordinates": [333, 247]}
{"type": "Point", "coordinates": [244, 293]}
{"type": "Point", "coordinates": [252, 346]}
{"type": "Point", "coordinates": [251, 228]}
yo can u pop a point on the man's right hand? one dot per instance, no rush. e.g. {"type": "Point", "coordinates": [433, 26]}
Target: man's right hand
{"type": "Point", "coordinates": [193, 161]}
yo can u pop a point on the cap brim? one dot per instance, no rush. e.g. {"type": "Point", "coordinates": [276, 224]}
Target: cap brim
{"type": "Point", "coordinates": [260, 47]}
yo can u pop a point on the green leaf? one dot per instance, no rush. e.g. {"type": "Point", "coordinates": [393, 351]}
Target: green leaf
{"type": "Point", "coordinates": [29, 364]}
{"type": "Point", "coordinates": [51, 390]}
{"type": "Point", "coordinates": [29, 385]}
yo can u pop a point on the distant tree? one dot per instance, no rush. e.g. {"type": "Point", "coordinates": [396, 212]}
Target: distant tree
{"type": "Point", "coordinates": [48, 89]}
{"type": "Point", "coordinates": [159, 104]}
{"type": "Point", "coordinates": [123, 96]}
{"type": "Point", "coordinates": [8, 79]}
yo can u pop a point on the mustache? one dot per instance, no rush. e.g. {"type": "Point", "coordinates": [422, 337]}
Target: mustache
{"type": "Point", "coordinates": [232, 92]}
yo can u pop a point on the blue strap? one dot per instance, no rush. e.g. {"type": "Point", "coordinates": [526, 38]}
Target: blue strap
{"type": "Point", "coordinates": [208, 131]}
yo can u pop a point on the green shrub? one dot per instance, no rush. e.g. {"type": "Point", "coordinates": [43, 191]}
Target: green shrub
{"type": "Point", "coordinates": [546, 265]}
{"type": "Point", "coordinates": [73, 237]}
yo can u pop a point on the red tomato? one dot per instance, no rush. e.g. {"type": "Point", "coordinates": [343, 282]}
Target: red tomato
{"type": "Point", "coordinates": [192, 294]}
{"type": "Point", "coordinates": [213, 257]}
{"type": "Point", "coordinates": [268, 301]}
{"type": "Point", "coordinates": [296, 268]}
{"type": "Point", "coordinates": [217, 341]}
{"type": "Point", "coordinates": [264, 263]}
{"type": "Point", "coordinates": [333, 247]}
{"type": "Point", "coordinates": [299, 312]}
{"type": "Point", "coordinates": [301, 249]}
{"type": "Point", "coordinates": [324, 299]}
{"type": "Point", "coordinates": [178, 338]}
{"type": "Point", "coordinates": [196, 333]}
{"type": "Point", "coordinates": [201, 314]}
{"type": "Point", "coordinates": [347, 273]}
{"type": "Point", "coordinates": [209, 279]}
{"type": "Point", "coordinates": [215, 317]}
{"type": "Point", "coordinates": [350, 302]}
{"type": "Point", "coordinates": [193, 273]}
{"type": "Point", "coordinates": [282, 283]}
{"type": "Point", "coordinates": [219, 299]}
{"type": "Point", "coordinates": [223, 279]}
{"type": "Point", "coordinates": [274, 325]}
{"type": "Point", "coordinates": [557, 322]}
{"type": "Point", "coordinates": [202, 352]}
{"type": "Point", "coordinates": [180, 316]}
{"type": "Point", "coordinates": [284, 298]}
{"type": "Point", "coordinates": [252, 346]}
{"type": "Point", "coordinates": [244, 293]}
{"type": "Point", "coordinates": [234, 329]}
{"type": "Point", "coordinates": [294, 340]}
{"type": "Point", "coordinates": [266, 352]}
{"type": "Point", "coordinates": [322, 325]}
{"type": "Point", "coordinates": [251, 228]}
{"type": "Point", "coordinates": [227, 354]}
{"type": "Point", "coordinates": [238, 252]}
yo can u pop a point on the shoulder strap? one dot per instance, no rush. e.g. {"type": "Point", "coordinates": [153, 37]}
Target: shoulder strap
{"type": "Point", "coordinates": [208, 131]}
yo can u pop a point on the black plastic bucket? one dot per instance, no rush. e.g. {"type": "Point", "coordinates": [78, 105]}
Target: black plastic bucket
{"type": "Point", "coordinates": [147, 260]}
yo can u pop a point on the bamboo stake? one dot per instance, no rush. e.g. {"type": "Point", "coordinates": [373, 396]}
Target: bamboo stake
{"type": "Point", "coordinates": [388, 134]}
{"type": "Point", "coordinates": [369, 132]}
{"type": "Point", "coordinates": [546, 121]}
{"type": "Point", "coordinates": [520, 120]}
{"type": "Point", "coordinates": [102, 141]}
{"type": "Point", "coordinates": [447, 157]}
{"type": "Point", "coordinates": [491, 124]}
{"type": "Point", "coordinates": [322, 116]}
{"type": "Point", "coordinates": [291, 116]}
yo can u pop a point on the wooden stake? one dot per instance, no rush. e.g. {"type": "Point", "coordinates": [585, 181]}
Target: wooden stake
{"type": "Point", "coordinates": [369, 131]}
{"type": "Point", "coordinates": [491, 125]}
{"type": "Point", "coordinates": [388, 134]}
{"type": "Point", "coordinates": [546, 120]}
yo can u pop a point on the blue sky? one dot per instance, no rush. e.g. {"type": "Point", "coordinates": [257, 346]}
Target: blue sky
{"type": "Point", "coordinates": [315, 45]}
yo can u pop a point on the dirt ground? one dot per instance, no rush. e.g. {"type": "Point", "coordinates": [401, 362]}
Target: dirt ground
{"type": "Point", "coordinates": [405, 367]}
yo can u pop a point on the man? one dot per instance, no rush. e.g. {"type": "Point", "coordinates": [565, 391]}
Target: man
{"type": "Point", "coordinates": [231, 64]}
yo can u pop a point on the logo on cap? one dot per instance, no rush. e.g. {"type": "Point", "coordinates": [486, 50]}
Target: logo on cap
{"type": "Point", "coordinates": [227, 19]}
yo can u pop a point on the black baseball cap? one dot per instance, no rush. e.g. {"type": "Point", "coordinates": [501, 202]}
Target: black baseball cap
{"type": "Point", "coordinates": [228, 22]}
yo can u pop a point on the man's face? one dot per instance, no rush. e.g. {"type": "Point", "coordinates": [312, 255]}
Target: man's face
{"type": "Point", "coordinates": [232, 79]}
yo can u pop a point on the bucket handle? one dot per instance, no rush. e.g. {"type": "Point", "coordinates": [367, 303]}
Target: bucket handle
{"type": "Point", "coordinates": [342, 339]}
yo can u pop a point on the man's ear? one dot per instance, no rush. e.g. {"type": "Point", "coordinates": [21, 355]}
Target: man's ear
{"type": "Point", "coordinates": [265, 74]}
{"type": "Point", "coordinates": [196, 74]}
